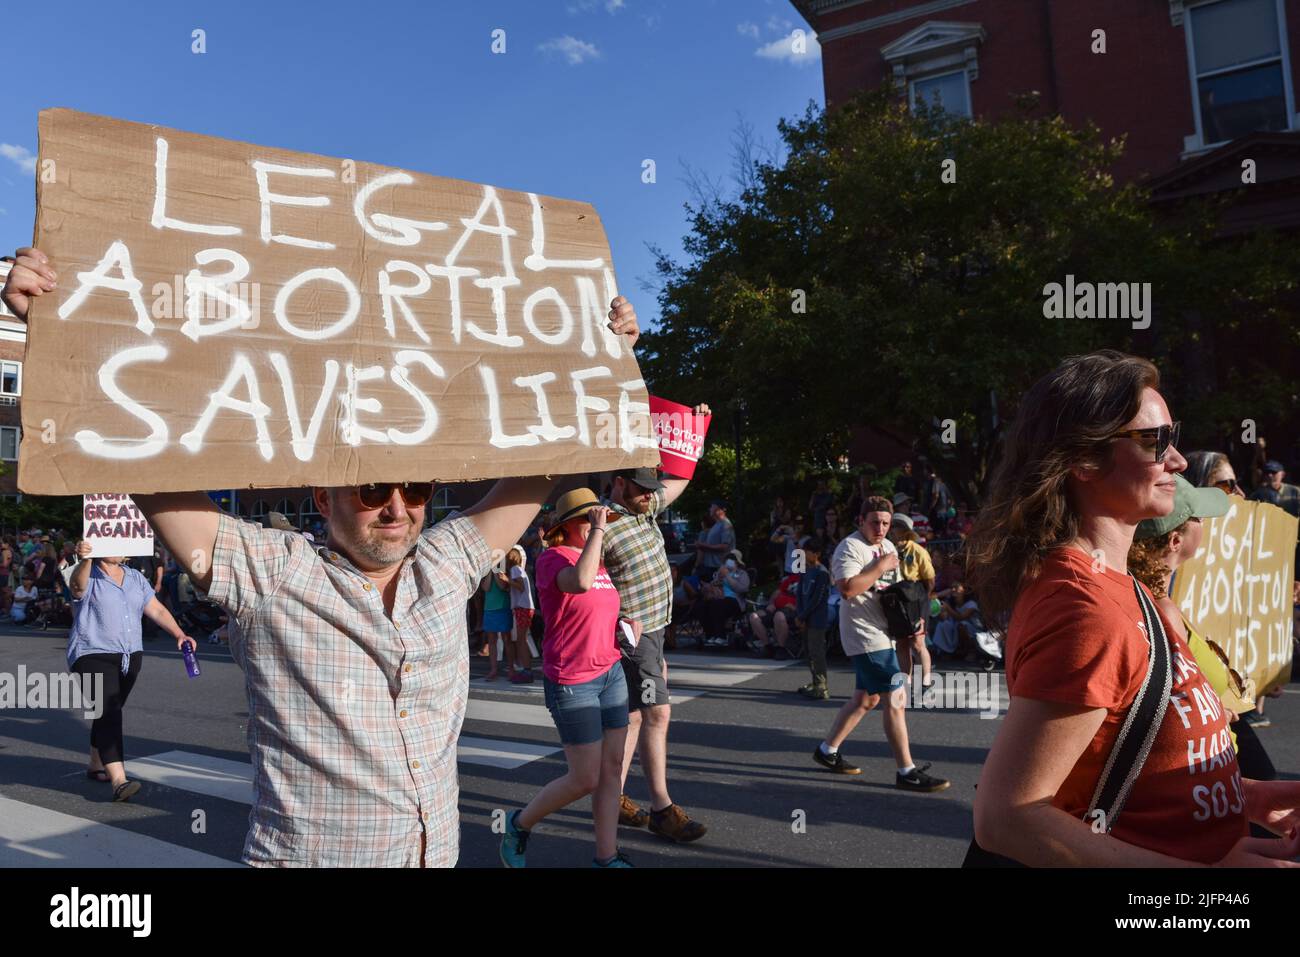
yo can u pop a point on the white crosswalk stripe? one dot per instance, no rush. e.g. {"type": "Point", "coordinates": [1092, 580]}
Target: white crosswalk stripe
{"type": "Point", "coordinates": [32, 836]}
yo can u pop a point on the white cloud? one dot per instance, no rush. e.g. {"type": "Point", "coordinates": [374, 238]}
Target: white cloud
{"type": "Point", "coordinates": [586, 6]}
{"type": "Point", "coordinates": [573, 50]}
{"type": "Point", "coordinates": [747, 29]}
{"type": "Point", "coordinates": [20, 155]}
{"type": "Point", "coordinates": [784, 48]}
{"type": "Point", "coordinates": [777, 24]}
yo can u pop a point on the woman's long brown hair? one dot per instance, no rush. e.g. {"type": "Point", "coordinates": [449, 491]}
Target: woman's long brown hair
{"type": "Point", "coordinates": [1064, 421]}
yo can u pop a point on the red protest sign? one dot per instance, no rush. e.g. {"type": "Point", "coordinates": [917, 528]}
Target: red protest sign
{"type": "Point", "coordinates": [680, 433]}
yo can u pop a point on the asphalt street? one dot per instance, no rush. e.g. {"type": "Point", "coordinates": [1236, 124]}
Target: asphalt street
{"type": "Point", "coordinates": [739, 761]}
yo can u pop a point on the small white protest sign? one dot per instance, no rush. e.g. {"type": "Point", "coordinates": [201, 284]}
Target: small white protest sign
{"type": "Point", "coordinates": [114, 526]}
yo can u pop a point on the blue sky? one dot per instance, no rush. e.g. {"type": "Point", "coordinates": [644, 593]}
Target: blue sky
{"type": "Point", "coordinates": [584, 93]}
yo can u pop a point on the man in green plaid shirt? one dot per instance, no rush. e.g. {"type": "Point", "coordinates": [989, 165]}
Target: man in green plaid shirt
{"type": "Point", "coordinates": [637, 563]}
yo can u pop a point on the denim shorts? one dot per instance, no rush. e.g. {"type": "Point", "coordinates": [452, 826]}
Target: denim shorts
{"type": "Point", "coordinates": [876, 671]}
{"type": "Point", "coordinates": [584, 712]}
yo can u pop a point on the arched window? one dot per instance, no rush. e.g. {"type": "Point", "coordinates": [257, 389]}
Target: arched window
{"type": "Point", "coordinates": [258, 512]}
{"type": "Point", "coordinates": [286, 508]}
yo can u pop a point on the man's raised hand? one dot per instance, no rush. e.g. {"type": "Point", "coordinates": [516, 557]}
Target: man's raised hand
{"type": "Point", "coordinates": [622, 320]}
{"type": "Point", "coordinates": [31, 276]}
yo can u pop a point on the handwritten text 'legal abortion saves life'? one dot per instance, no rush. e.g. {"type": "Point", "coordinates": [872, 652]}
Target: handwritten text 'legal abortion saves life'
{"type": "Point", "coordinates": [456, 325]}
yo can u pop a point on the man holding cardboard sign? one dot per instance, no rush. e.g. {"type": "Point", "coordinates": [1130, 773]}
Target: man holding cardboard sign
{"type": "Point", "coordinates": [417, 329]}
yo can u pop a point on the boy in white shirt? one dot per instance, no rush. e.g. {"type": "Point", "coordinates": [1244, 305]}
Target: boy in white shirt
{"type": "Point", "coordinates": [864, 565]}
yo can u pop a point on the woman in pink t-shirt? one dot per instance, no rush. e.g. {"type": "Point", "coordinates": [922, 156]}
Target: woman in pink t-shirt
{"type": "Point", "coordinates": [586, 691]}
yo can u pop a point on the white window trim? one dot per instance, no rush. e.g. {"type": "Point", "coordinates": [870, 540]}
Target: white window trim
{"type": "Point", "coordinates": [1195, 144]}
{"type": "Point", "coordinates": [955, 46]}
{"type": "Point", "coordinates": [18, 441]}
{"type": "Point", "coordinates": [19, 390]}
{"type": "Point", "coordinates": [911, 90]}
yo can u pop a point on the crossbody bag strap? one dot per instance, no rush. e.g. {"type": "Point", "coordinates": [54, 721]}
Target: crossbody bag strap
{"type": "Point", "coordinates": [1141, 724]}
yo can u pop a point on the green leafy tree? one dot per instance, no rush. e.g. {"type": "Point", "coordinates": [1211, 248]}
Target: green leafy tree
{"type": "Point", "coordinates": [924, 298]}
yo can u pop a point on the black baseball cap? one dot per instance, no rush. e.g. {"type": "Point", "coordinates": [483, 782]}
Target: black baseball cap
{"type": "Point", "coordinates": [645, 477]}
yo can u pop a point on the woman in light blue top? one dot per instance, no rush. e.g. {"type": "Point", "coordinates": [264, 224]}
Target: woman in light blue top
{"type": "Point", "coordinates": [105, 640]}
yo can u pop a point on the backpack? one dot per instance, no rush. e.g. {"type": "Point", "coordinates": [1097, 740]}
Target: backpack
{"type": "Point", "coordinates": [905, 604]}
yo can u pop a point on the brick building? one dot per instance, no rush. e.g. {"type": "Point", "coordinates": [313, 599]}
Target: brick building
{"type": "Point", "coordinates": [1179, 78]}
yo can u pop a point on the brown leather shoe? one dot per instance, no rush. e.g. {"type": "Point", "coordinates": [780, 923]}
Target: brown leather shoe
{"type": "Point", "coordinates": [630, 814]}
{"type": "Point", "coordinates": [675, 824]}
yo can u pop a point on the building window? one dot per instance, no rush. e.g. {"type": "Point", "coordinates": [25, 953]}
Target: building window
{"type": "Point", "coordinates": [949, 92]}
{"type": "Point", "coordinates": [11, 378]}
{"type": "Point", "coordinates": [1240, 75]}
{"type": "Point", "coordinates": [440, 506]}
{"type": "Point", "coordinates": [258, 512]}
{"type": "Point", "coordinates": [290, 512]}
{"type": "Point", "coordinates": [935, 64]}
{"type": "Point", "coordinates": [311, 516]}
{"type": "Point", "coordinates": [9, 444]}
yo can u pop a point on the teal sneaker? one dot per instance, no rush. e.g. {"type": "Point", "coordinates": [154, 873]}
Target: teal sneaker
{"type": "Point", "coordinates": [618, 860]}
{"type": "Point", "coordinates": [513, 843]}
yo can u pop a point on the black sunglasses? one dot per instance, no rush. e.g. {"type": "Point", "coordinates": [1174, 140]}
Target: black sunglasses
{"type": "Point", "coordinates": [1163, 436]}
{"type": "Point", "coordinates": [1226, 485]}
{"type": "Point", "coordinates": [414, 494]}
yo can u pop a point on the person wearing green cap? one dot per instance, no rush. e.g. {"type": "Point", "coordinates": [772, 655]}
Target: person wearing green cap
{"type": "Point", "coordinates": [1160, 546]}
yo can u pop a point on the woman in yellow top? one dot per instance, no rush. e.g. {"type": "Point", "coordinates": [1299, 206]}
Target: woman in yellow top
{"type": "Point", "coordinates": [1159, 546]}
{"type": "Point", "coordinates": [914, 565]}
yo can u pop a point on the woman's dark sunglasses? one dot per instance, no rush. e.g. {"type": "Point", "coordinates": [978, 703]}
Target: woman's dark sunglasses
{"type": "Point", "coordinates": [1227, 485]}
{"type": "Point", "coordinates": [1162, 435]}
{"type": "Point", "coordinates": [414, 494]}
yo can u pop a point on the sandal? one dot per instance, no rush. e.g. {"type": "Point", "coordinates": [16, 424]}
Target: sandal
{"type": "Point", "coordinates": [101, 775]}
{"type": "Point", "coordinates": [126, 790]}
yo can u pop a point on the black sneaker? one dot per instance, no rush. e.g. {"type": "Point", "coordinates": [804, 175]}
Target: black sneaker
{"type": "Point", "coordinates": [1256, 720]}
{"type": "Point", "coordinates": [837, 763]}
{"type": "Point", "coordinates": [918, 780]}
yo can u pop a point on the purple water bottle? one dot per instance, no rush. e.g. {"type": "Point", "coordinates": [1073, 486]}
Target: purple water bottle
{"type": "Point", "coordinates": [191, 663]}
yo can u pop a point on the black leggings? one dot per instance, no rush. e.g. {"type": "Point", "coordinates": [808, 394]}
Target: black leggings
{"type": "Point", "coordinates": [106, 730]}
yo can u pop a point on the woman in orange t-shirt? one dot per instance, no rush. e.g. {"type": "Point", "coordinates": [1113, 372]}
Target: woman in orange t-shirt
{"type": "Point", "coordinates": [1093, 452]}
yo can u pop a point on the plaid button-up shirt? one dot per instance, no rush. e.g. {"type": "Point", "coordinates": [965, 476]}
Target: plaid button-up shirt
{"type": "Point", "coordinates": [352, 717]}
{"type": "Point", "coordinates": [637, 563]}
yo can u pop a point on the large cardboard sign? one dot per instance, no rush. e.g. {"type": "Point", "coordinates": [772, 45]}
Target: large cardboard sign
{"type": "Point", "coordinates": [113, 525]}
{"type": "Point", "coordinates": [235, 316]}
{"type": "Point", "coordinates": [1238, 589]}
{"type": "Point", "coordinates": [680, 433]}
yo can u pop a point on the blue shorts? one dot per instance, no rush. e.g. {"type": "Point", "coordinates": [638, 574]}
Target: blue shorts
{"type": "Point", "coordinates": [875, 671]}
{"type": "Point", "coordinates": [584, 712]}
{"type": "Point", "coordinates": [499, 619]}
